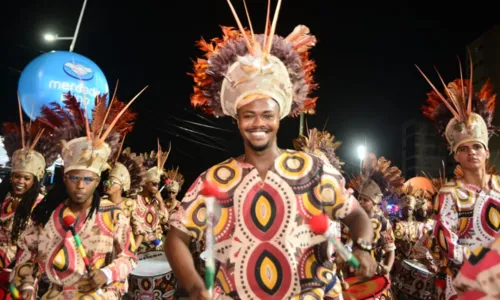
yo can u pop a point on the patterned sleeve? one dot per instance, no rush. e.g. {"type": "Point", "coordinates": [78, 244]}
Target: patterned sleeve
{"type": "Point", "coordinates": [446, 228]}
{"type": "Point", "coordinates": [337, 201]}
{"type": "Point", "coordinates": [387, 236]}
{"type": "Point", "coordinates": [136, 221]}
{"type": "Point", "coordinates": [188, 218]}
{"type": "Point", "coordinates": [480, 274]}
{"type": "Point", "coordinates": [23, 275]}
{"type": "Point", "coordinates": [125, 260]}
{"type": "Point", "coordinates": [163, 214]}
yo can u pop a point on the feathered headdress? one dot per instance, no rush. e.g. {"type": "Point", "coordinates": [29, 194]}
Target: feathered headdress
{"type": "Point", "coordinates": [378, 179]}
{"type": "Point", "coordinates": [437, 183]}
{"type": "Point", "coordinates": [241, 67]}
{"type": "Point", "coordinates": [175, 180]}
{"type": "Point", "coordinates": [29, 148]}
{"type": "Point", "coordinates": [128, 167]}
{"type": "Point", "coordinates": [416, 192]}
{"type": "Point", "coordinates": [88, 145]}
{"type": "Point", "coordinates": [461, 114]}
{"type": "Point", "coordinates": [154, 163]}
{"type": "Point", "coordinates": [321, 143]}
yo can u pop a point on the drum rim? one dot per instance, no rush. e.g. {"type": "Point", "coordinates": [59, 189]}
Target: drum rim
{"type": "Point", "coordinates": [135, 275]}
{"type": "Point", "coordinates": [387, 284]}
{"type": "Point", "coordinates": [411, 263]}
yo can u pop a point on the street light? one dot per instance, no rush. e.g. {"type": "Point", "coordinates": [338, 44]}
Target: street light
{"type": "Point", "coordinates": [361, 155]}
{"type": "Point", "coordinates": [361, 152]}
{"type": "Point", "coordinates": [49, 37]}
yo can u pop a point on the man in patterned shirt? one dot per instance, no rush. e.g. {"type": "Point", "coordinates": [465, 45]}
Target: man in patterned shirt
{"type": "Point", "coordinates": [468, 206]}
{"type": "Point", "coordinates": [264, 246]}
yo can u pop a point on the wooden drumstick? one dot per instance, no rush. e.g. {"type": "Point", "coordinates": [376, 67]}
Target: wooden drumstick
{"type": "Point", "coordinates": [322, 225]}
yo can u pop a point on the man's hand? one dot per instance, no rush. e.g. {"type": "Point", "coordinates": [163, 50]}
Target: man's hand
{"type": "Point", "coordinates": [27, 289]}
{"type": "Point", "coordinates": [27, 294]}
{"type": "Point", "coordinates": [382, 269]}
{"type": "Point", "coordinates": [98, 279]}
{"type": "Point", "coordinates": [159, 197]}
{"type": "Point", "coordinates": [367, 264]}
{"type": "Point", "coordinates": [432, 267]}
{"type": "Point", "coordinates": [198, 292]}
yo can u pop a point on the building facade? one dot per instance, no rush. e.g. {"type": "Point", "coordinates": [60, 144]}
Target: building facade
{"type": "Point", "coordinates": [423, 150]}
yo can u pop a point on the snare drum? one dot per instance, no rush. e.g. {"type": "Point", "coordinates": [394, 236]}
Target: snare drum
{"type": "Point", "coordinates": [379, 287]}
{"type": "Point", "coordinates": [152, 278]}
{"type": "Point", "coordinates": [414, 279]}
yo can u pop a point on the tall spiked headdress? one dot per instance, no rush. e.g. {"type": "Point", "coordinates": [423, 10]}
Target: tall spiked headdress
{"type": "Point", "coordinates": [88, 145]}
{"type": "Point", "coordinates": [29, 148]}
{"type": "Point", "coordinates": [128, 168]}
{"type": "Point", "coordinates": [461, 114]}
{"type": "Point", "coordinates": [320, 143]}
{"type": "Point", "coordinates": [175, 180]}
{"type": "Point", "coordinates": [154, 162]}
{"type": "Point", "coordinates": [378, 178]}
{"type": "Point", "coordinates": [241, 67]}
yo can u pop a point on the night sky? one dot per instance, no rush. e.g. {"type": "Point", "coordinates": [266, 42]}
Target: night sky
{"type": "Point", "coordinates": [365, 54]}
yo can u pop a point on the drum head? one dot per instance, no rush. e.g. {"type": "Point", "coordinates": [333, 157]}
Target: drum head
{"type": "Point", "coordinates": [370, 289]}
{"type": "Point", "coordinates": [418, 266]}
{"type": "Point", "coordinates": [151, 264]}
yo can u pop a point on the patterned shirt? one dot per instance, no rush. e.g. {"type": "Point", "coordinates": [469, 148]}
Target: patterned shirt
{"type": "Point", "coordinates": [467, 219]}
{"type": "Point", "coordinates": [480, 275]}
{"type": "Point", "coordinates": [53, 249]}
{"type": "Point", "coordinates": [407, 234]}
{"type": "Point", "coordinates": [147, 220]}
{"type": "Point", "coordinates": [7, 249]}
{"type": "Point", "coordinates": [264, 246]}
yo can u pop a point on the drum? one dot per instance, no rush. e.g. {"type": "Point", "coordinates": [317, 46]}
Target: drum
{"type": "Point", "coordinates": [152, 278]}
{"type": "Point", "coordinates": [379, 287]}
{"type": "Point", "coordinates": [414, 279]}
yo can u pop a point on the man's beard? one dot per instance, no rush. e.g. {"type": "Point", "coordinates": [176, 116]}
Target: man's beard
{"type": "Point", "coordinates": [259, 148]}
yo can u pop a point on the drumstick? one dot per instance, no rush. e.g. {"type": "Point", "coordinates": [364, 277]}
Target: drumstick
{"type": "Point", "coordinates": [14, 291]}
{"type": "Point", "coordinates": [210, 192]}
{"type": "Point", "coordinates": [69, 221]}
{"type": "Point", "coordinates": [164, 185]}
{"type": "Point", "coordinates": [322, 225]}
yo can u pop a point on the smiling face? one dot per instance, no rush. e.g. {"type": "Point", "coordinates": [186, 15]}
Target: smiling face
{"type": "Point", "coordinates": [472, 155]}
{"type": "Point", "coordinates": [259, 122]}
{"type": "Point", "coordinates": [21, 183]}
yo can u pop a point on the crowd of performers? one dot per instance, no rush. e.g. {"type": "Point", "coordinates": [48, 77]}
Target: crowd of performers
{"type": "Point", "coordinates": [109, 225]}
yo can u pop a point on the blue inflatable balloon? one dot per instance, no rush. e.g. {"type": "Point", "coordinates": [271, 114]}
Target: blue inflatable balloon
{"type": "Point", "coordinates": [51, 75]}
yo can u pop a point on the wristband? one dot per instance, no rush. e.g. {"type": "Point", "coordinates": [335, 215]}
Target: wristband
{"type": "Point", "coordinates": [363, 245]}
